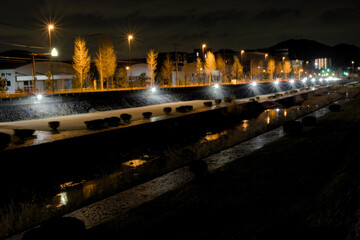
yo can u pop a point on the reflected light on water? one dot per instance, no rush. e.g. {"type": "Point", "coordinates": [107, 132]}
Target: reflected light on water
{"type": "Point", "coordinates": [134, 163]}
{"type": "Point", "coordinates": [88, 190]}
{"type": "Point", "coordinates": [212, 137]}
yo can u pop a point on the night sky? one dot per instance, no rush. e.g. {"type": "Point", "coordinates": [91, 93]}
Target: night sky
{"type": "Point", "coordinates": [159, 25]}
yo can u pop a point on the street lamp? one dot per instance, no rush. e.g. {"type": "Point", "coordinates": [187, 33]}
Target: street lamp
{"type": "Point", "coordinates": [130, 37]}
{"type": "Point", "coordinates": [203, 50]}
{"type": "Point", "coordinates": [241, 56]}
{"type": "Point", "coordinates": [50, 28]}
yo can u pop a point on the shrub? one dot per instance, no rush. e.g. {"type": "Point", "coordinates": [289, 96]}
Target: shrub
{"type": "Point", "coordinates": [125, 117]}
{"type": "Point", "coordinates": [217, 101]}
{"type": "Point", "coordinates": [167, 110]}
{"type": "Point", "coordinates": [4, 140]}
{"type": "Point", "coordinates": [257, 98]}
{"type": "Point", "coordinates": [309, 121]}
{"type": "Point", "coordinates": [54, 126]}
{"type": "Point", "coordinates": [24, 133]}
{"type": "Point", "coordinates": [147, 115]}
{"type": "Point", "coordinates": [112, 121]}
{"type": "Point", "coordinates": [292, 127]}
{"type": "Point", "coordinates": [252, 100]}
{"type": "Point", "coordinates": [199, 168]}
{"type": "Point", "coordinates": [208, 104]}
{"type": "Point", "coordinates": [335, 107]}
{"type": "Point", "coordinates": [96, 124]}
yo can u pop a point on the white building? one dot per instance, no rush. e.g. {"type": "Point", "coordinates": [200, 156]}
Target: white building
{"type": "Point", "coordinates": [21, 78]}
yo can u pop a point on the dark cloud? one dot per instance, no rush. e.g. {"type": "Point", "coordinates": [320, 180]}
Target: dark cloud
{"type": "Point", "coordinates": [158, 24]}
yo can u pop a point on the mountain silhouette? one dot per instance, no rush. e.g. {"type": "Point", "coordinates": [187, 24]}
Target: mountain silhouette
{"type": "Point", "coordinates": [308, 50]}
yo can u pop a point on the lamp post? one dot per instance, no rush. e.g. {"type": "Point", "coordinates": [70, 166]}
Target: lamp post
{"type": "Point", "coordinates": [203, 50]}
{"type": "Point", "coordinates": [54, 53]}
{"type": "Point", "coordinates": [130, 37]}
{"type": "Point", "coordinates": [50, 28]}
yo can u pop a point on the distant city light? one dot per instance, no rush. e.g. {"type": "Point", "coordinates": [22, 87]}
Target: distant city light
{"type": "Point", "coordinates": [216, 85]}
{"type": "Point", "coordinates": [153, 89]}
{"type": "Point", "coordinates": [292, 80]}
{"type": "Point", "coordinates": [253, 84]}
{"type": "Point", "coordinates": [276, 82]}
{"type": "Point", "coordinates": [39, 97]}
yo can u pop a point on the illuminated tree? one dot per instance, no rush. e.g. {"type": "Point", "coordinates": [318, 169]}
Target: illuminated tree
{"type": "Point", "coordinates": [81, 60]}
{"type": "Point", "coordinates": [271, 68]}
{"type": "Point", "coordinates": [287, 68]}
{"type": "Point", "coordinates": [210, 64]}
{"type": "Point", "coordinates": [105, 62]}
{"type": "Point", "coordinates": [220, 64]}
{"type": "Point", "coordinates": [167, 69]}
{"type": "Point", "coordinates": [237, 68]}
{"type": "Point", "coordinates": [278, 69]}
{"type": "Point", "coordinates": [151, 64]}
{"type": "Point", "coordinates": [120, 80]}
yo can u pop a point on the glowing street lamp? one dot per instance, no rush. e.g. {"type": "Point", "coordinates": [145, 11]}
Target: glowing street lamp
{"type": "Point", "coordinates": [203, 50]}
{"type": "Point", "coordinates": [130, 37]}
{"type": "Point", "coordinates": [50, 28]}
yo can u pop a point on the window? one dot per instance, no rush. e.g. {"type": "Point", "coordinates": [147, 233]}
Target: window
{"type": "Point", "coordinates": [197, 54]}
{"type": "Point", "coordinates": [3, 74]}
{"type": "Point", "coordinates": [8, 74]}
{"type": "Point", "coordinates": [8, 83]}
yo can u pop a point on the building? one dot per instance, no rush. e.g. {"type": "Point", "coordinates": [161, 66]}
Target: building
{"type": "Point", "coordinates": [21, 78]}
{"type": "Point", "coordinates": [322, 63]}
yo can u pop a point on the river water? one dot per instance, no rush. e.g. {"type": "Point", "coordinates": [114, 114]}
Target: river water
{"type": "Point", "coordinates": [244, 138]}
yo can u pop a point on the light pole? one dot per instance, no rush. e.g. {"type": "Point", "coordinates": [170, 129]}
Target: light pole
{"type": "Point", "coordinates": [130, 37]}
{"type": "Point", "coordinates": [203, 50]}
{"type": "Point", "coordinates": [50, 28]}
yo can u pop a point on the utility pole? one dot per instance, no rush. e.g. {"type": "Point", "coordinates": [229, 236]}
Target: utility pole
{"type": "Point", "coordinates": [176, 66]}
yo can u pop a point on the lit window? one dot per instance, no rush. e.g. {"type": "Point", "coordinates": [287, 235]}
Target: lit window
{"type": "Point", "coordinates": [197, 54]}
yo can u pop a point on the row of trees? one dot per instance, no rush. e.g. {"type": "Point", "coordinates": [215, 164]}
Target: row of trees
{"type": "Point", "coordinates": [106, 65]}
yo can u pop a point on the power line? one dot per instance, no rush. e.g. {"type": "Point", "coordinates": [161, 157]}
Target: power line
{"type": "Point", "coordinates": [21, 45]}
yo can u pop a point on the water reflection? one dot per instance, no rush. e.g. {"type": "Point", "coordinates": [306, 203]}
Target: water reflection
{"type": "Point", "coordinates": [247, 129]}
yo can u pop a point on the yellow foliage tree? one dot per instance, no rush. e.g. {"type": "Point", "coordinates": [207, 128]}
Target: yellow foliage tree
{"type": "Point", "coordinates": [167, 69]}
{"type": "Point", "coordinates": [220, 63]}
{"type": "Point", "coordinates": [81, 60]}
{"type": "Point", "coordinates": [287, 68]}
{"type": "Point", "coordinates": [210, 64]}
{"type": "Point", "coordinates": [105, 61]}
{"type": "Point", "coordinates": [271, 68]}
{"type": "Point", "coordinates": [151, 64]}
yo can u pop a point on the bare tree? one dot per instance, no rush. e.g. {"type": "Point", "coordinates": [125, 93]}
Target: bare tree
{"type": "Point", "coordinates": [151, 64]}
{"type": "Point", "coordinates": [220, 63]}
{"type": "Point", "coordinates": [167, 69]}
{"type": "Point", "coordinates": [81, 60]}
{"type": "Point", "coordinates": [210, 64]}
{"type": "Point", "coordinates": [271, 68]}
{"type": "Point", "coordinates": [237, 68]}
